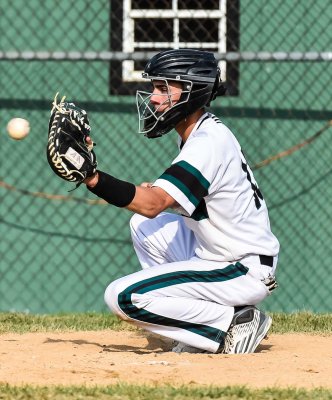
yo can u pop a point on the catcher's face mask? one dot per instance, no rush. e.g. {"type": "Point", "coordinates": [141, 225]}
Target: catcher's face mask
{"type": "Point", "coordinates": [158, 106]}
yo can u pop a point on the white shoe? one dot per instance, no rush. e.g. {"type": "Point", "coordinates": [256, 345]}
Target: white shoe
{"type": "Point", "coordinates": [184, 348]}
{"type": "Point", "coordinates": [248, 329]}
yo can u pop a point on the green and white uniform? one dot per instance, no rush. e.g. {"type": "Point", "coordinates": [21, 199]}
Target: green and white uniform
{"type": "Point", "coordinates": [210, 256]}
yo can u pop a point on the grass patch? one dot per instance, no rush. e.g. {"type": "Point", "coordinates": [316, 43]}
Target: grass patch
{"type": "Point", "coordinates": [22, 323]}
{"type": "Point", "coordinates": [301, 322]}
{"type": "Point", "coordinates": [134, 392]}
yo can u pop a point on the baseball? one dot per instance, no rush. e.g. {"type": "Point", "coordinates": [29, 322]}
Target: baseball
{"type": "Point", "coordinates": [18, 128]}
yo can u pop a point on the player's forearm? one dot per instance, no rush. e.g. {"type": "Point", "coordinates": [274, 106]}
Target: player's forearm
{"type": "Point", "coordinates": [145, 200]}
{"type": "Point", "coordinates": [150, 201]}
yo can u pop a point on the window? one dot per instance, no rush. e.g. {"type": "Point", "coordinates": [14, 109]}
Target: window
{"type": "Point", "coordinates": [156, 25]}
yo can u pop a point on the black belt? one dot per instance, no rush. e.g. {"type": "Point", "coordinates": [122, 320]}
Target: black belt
{"type": "Point", "coordinates": [266, 260]}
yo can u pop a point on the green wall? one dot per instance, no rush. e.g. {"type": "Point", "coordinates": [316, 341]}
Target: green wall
{"type": "Point", "coordinates": [60, 254]}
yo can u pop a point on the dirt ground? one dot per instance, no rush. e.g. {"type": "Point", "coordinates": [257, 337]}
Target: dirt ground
{"type": "Point", "coordinates": [107, 357]}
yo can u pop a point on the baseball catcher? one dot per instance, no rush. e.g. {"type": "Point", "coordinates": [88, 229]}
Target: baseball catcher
{"type": "Point", "coordinates": [68, 153]}
{"type": "Point", "coordinates": [209, 262]}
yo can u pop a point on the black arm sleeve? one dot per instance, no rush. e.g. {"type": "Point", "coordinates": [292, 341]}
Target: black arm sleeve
{"type": "Point", "coordinates": [114, 191]}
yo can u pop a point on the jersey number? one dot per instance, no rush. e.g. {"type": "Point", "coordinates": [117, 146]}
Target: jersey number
{"type": "Point", "coordinates": [257, 193]}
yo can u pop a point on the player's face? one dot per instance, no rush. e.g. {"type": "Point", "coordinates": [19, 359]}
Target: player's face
{"type": "Point", "coordinates": [165, 94]}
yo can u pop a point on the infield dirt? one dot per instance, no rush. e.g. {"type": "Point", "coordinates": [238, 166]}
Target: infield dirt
{"type": "Point", "coordinates": [108, 357]}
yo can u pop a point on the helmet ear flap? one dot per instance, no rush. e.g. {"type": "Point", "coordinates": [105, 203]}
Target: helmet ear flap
{"type": "Point", "coordinates": [222, 89]}
{"type": "Point", "coordinates": [219, 89]}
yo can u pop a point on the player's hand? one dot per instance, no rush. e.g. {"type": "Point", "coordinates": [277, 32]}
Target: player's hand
{"type": "Point", "coordinates": [92, 180]}
{"type": "Point", "coordinates": [89, 141]}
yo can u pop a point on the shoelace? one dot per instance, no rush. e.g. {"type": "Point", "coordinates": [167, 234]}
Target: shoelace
{"type": "Point", "coordinates": [229, 343]}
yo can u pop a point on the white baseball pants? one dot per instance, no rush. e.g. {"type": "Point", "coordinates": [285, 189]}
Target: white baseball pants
{"type": "Point", "coordinates": [178, 295]}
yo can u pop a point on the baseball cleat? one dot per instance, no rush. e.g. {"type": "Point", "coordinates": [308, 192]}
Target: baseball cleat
{"type": "Point", "coordinates": [248, 328]}
{"type": "Point", "coordinates": [184, 348]}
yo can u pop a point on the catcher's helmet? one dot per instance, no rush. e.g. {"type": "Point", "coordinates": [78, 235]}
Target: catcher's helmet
{"type": "Point", "coordinates": [199, 74]}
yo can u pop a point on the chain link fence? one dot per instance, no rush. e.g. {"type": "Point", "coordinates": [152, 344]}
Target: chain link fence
{"type": "Point", "coordinates": [60, 249]}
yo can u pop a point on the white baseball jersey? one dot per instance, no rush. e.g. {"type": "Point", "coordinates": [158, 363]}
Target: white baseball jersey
{"type": "Point", "coordinates": [218, 195]}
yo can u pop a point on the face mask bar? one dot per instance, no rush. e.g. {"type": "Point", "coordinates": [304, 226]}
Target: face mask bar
{"type": "Point", "coordinates": [148, 114]}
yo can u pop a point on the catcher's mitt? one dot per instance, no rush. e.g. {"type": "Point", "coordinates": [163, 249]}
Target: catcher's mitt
{"type": "Point", "coordinates": [68, 153]}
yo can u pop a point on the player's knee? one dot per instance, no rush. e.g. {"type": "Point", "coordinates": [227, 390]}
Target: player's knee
{"type": "Point", "coordinates": [117, 301]}
{"type": "Point", "coordinates": [111, 298]}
